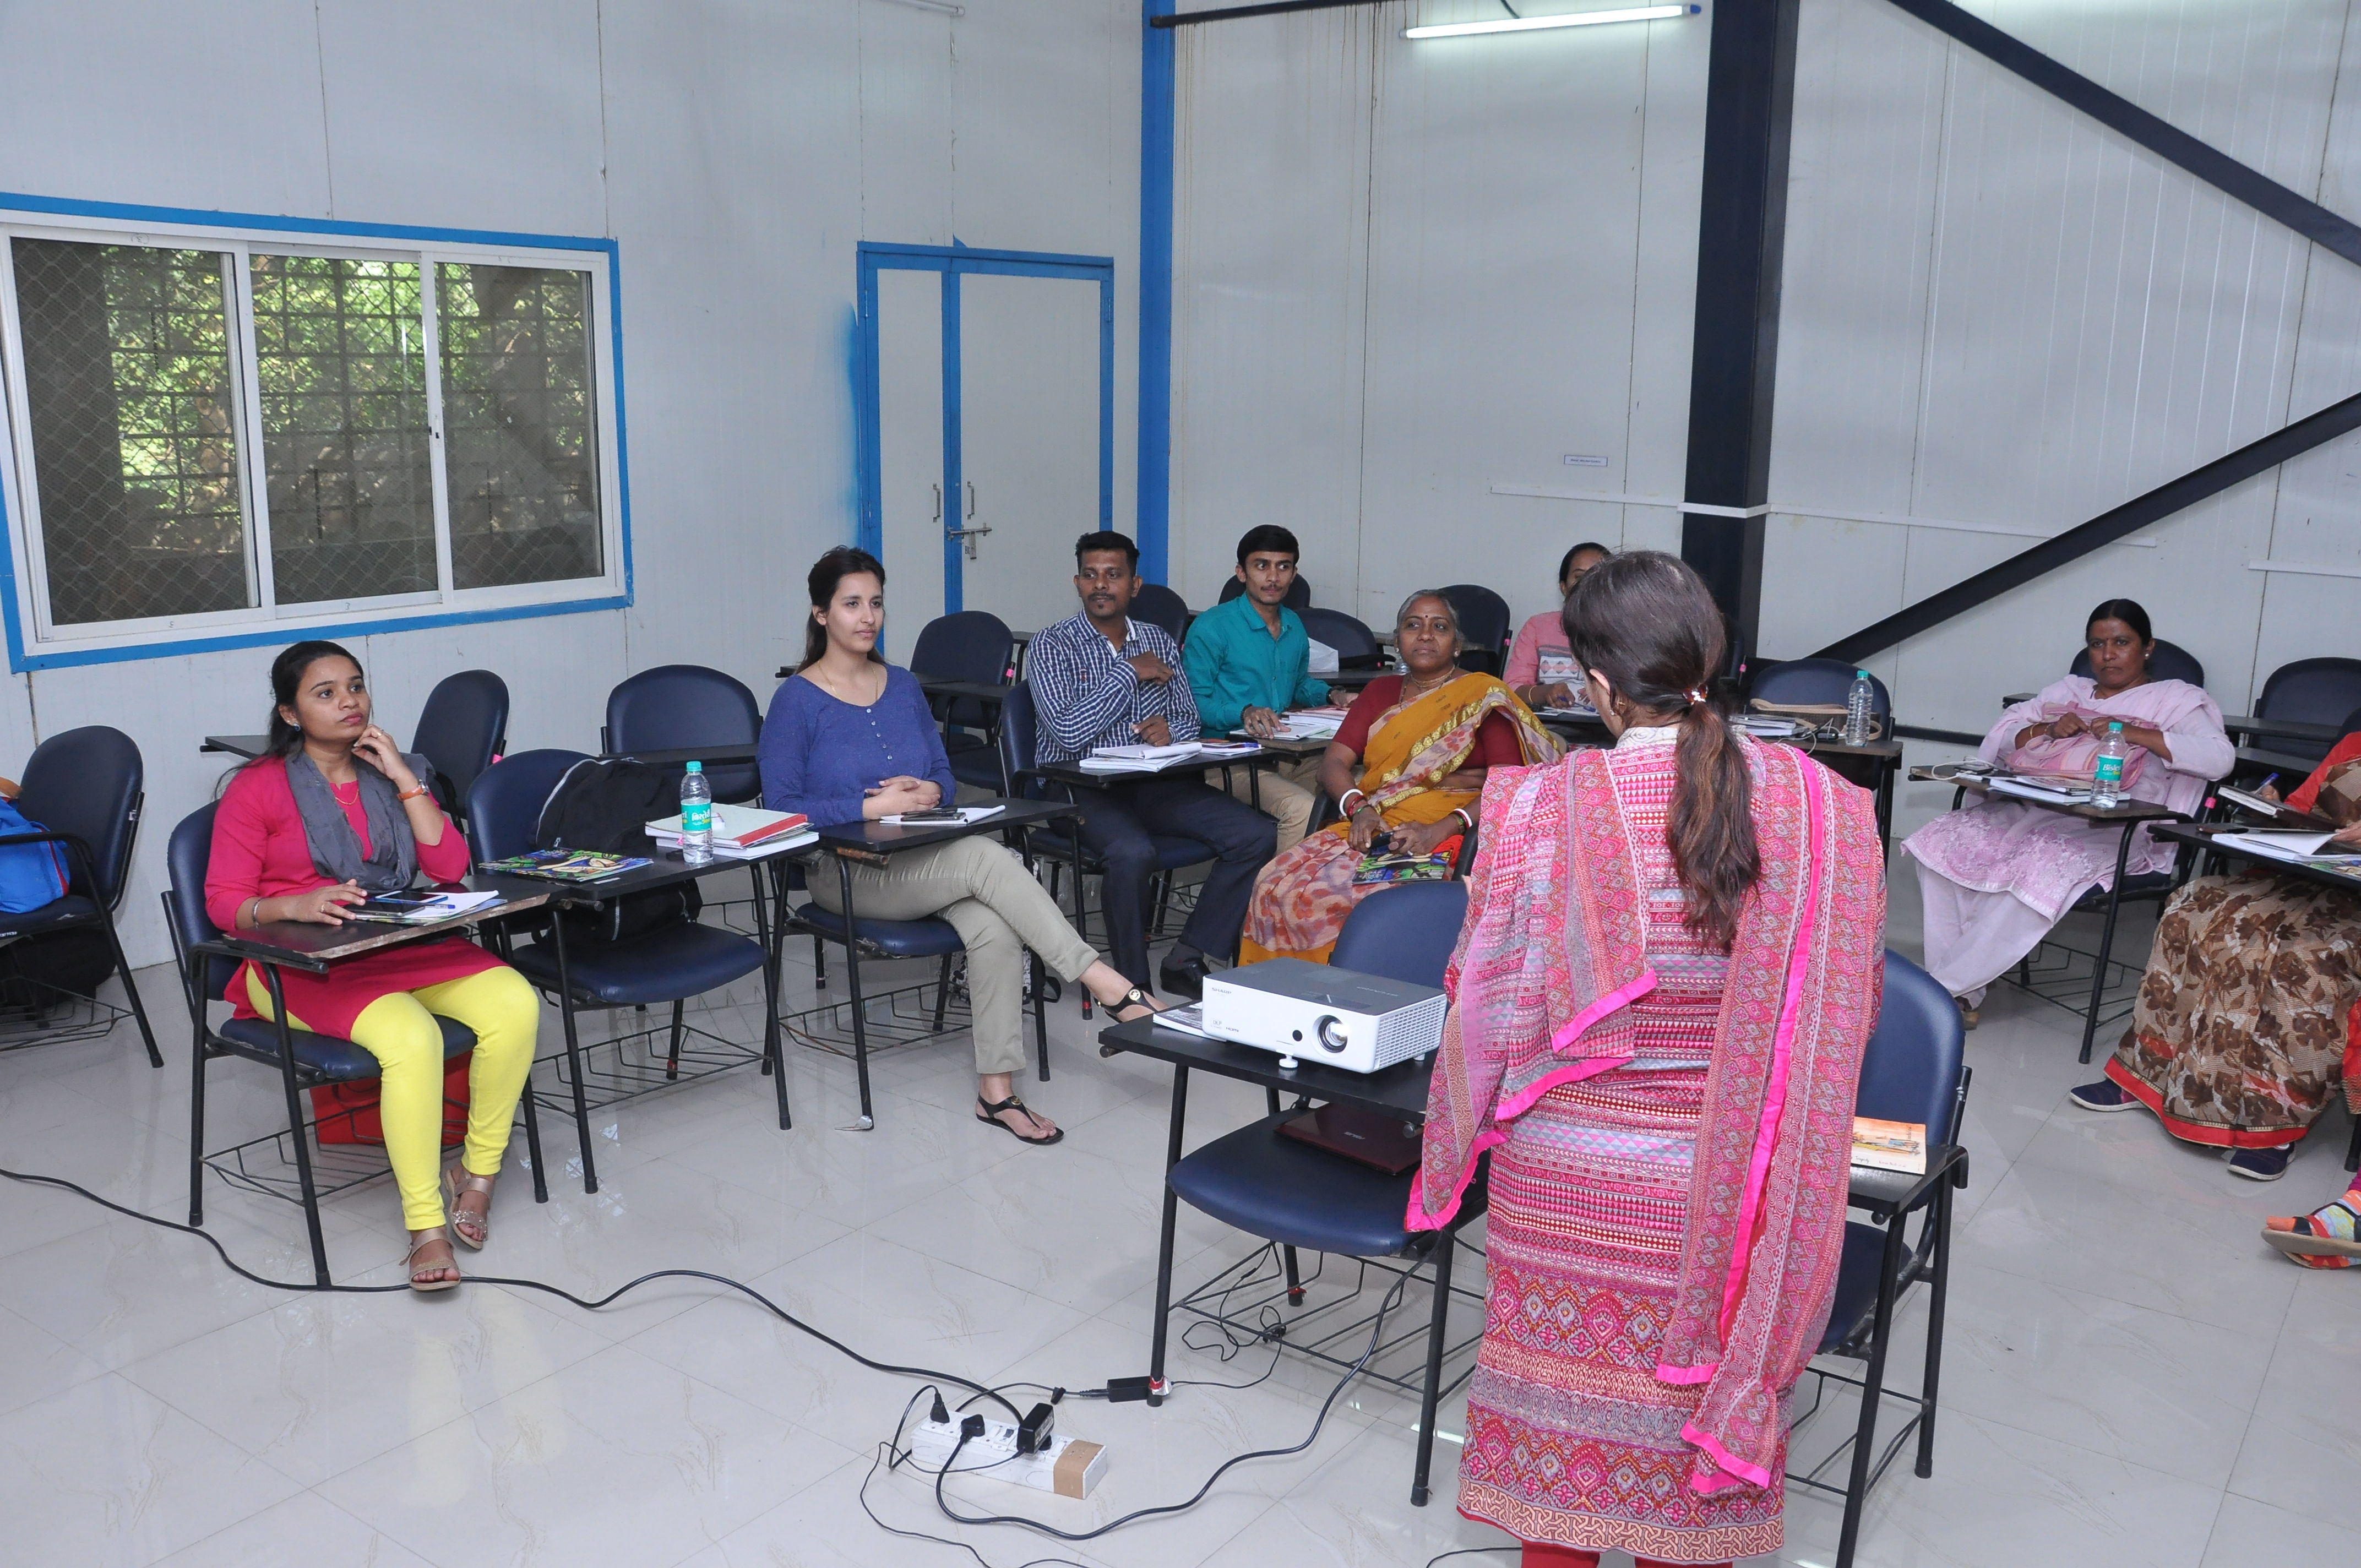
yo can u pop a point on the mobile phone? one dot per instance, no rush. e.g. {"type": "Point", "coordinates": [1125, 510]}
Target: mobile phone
{"type": "Point", "coordinates": [399, 899]}
{"type": "Point", "coordinates": [932, 814]}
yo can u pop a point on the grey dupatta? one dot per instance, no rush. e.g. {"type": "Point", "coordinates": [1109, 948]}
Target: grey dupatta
{"type": "Point", "coordinates": [392, 860]}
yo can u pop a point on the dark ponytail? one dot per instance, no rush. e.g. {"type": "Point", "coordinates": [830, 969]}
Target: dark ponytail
{"type": "Point", "coordinates": [1646, 621]}
{"type": "Point", "coordinates": [286, 680]}
{"type": "Point", "coordinates": [844, 561]}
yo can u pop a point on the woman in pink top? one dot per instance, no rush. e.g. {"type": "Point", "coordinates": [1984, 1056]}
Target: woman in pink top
{"type": "Point", "coordinates": [332, 813]}
{"type": "Point", "coordinates": [1540, 670]}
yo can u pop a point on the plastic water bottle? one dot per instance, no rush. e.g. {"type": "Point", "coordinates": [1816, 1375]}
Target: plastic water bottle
{"type": "Point", "coordinates": [2107, 774]}
{"type": "Point", "coordinates": [696, 817]}
{"type": "Point", "coordinates": [1860, 710]}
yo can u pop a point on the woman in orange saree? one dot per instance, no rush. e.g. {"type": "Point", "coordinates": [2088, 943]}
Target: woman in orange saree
{"type": "Point", "coordinates": [1669, 972]}
{"type": "Point", "coordinates": [1425, 741]}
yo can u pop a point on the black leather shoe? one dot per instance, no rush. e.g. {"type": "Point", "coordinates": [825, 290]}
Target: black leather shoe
{"type": "Point", "coordinates": [1186, 978]}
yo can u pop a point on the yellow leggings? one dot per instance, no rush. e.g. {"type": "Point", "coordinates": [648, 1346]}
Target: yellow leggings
{"type": "Point", "coordinates": [398, 1029]}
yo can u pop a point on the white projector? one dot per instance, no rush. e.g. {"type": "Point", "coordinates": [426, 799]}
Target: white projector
{"type": "Point", "coordinates": [1313, 1013]}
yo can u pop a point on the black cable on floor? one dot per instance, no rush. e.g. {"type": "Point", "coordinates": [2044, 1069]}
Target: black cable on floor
{"type": "Point", "coordinates": [776, 1310]}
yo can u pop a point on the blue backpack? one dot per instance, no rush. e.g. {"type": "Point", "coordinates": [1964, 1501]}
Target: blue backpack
{"type": "Point", "coordinates": [31, 874]}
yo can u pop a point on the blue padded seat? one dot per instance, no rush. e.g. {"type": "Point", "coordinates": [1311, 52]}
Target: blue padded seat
{"type": "Point", "coordinates": [323, 1058]}
{"type": "Point", "coordinates": [1289, 1192]}
{"type": "Point", "coordinates": [1407, 935]}
{"type": "Point", "coordinates": [928, 938]}
{"type": "Point", "coordinates": [1856, 1294]}
{"type": "Point", "coordinates": [663, 966]}
{"type": "Point", "coordinates": [72, 909]}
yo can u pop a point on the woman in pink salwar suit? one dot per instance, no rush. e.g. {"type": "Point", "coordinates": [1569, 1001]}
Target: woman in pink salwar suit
{"type": "Point", "coordinates": [1669, 971]}
{"type": "Point", "coordinates": [1994, 878]}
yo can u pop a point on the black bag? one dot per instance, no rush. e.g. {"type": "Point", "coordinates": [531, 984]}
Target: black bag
{"type": "Point", "coordinates": [606, 804]}
{"type": "Point", "coordinates": [34, 970]}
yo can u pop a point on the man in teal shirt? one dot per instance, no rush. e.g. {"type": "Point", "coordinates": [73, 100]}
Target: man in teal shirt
{"type": "Point", "coordinates": [1248, 661]}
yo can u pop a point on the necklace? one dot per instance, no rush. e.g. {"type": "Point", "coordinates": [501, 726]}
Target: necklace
{"type": "Point", "coordinates": [1414, 687]}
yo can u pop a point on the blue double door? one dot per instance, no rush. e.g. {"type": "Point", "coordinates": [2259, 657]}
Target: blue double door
{"type": "Point", "coordinates": [986, 428]}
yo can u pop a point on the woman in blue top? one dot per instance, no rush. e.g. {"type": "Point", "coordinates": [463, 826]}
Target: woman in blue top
{"type": "Point", "coordinates": [847, 737]}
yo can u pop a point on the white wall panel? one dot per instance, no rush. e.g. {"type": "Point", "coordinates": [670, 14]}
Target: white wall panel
{"type": "Point", "coordinates": [738, 151]}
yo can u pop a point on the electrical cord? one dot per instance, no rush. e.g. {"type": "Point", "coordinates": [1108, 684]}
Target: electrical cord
{"type": "Point", "coordinates": [1377, 1330]}
{"type": "Point", "coordinates": [587, 1304]}
{"type": "Point", "coordinates": [1469, 1551]}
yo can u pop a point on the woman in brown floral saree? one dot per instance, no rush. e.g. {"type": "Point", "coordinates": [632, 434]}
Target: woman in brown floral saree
{"type": "Point", "coordinates": [2250, 1011]}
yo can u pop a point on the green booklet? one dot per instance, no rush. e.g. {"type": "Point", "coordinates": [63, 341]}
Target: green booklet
{"type": "Point", "coordinates": [567, 865]}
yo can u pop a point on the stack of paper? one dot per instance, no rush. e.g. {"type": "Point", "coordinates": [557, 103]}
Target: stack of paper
{"type": "Point", "coordinates": [1311, 723]}
{"type": "Point", "coordinates": [1137, 759]}
{"type": "Point", "coordinates": [1889, 1146]}
{"type": "Point", "coordinates": [736, 827]}
{"type": "Point", "coordinates": [443, 906]}
{"type": "Point", "coordinates": [1324, 658]}
{"type": "Point", "coordinates": [2025, 791]}
{"type": "Point", "coordinates": [2282, 845]}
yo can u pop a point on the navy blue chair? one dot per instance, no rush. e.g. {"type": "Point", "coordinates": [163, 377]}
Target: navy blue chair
{"type": "Point", "coordinates": [1019, 754]}
{"type": "Point", "coordinates": [1404, 933]}
{"type": "Point", "coordinates": [2167, 662]}
{"type": "Point", "coordinates": [304, 1060]}
{"type": "Point", "coordinates": [670, 964]}
{"type": "Point", "coordinates": [1912, 1071]}
{"type": "Point", "coordinates": [1483, 626]}
{"type": "Point", "coordinates": [83, 789]}
{"type": "Point", "coordinates": [1796, 683]}
{"type": "Point", "coordinates": [1356, 646]}
{"type": "Point", "coordinates": [2309, 691]}
{"type": "Point", "coordinates": [1156, 603]}
{"type": "Point", "coordinates": [679, 707]}
{"type": "Point", "coordinates": [971, 645]}
{"type": "Point", "coordinates": [463, 727]}
{"type": "Point", "coordinates": [1299, 594]}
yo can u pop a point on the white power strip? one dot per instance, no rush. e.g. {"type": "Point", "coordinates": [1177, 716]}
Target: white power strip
{"type": "Point", "coordinates": [1068, 1467]}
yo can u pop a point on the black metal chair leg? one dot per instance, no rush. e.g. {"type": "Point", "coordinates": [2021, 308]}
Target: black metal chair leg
{"type": "Point", "coordinates": [1040, 1014]}
{"type": "Point", "coordinates": [574, 1056]}
{"type": "Point", "coordinates": [197, 1126]}
{"type": "Point", "coordinates": [2106, 940]}
{"type": "Point", "coordinates": [1438, 1325]}
{"type": "Point", "coordinates": [1864, 1440]}
{"type": "Point", "coordinates": [130, 987]}
{"type": "Point", "coordinates": [819, 963]}
{"type": "Point", "coordinates": [853, 984]}
{"type": "Point", "coordinates": [295, 1127]}
{"type": "Point", "coordinates": [672, 1056]}
{"type": "Point", "coordinates": [533, 1140]}
{"type": "Point", "coordinates": [942, 993]}
{"type": "Point", "coordinates": [772, 918]}
{"type": "Point", "coordinates": [1937, 1285]}
{"type": "Point", "coordinates": [1157, 1387]}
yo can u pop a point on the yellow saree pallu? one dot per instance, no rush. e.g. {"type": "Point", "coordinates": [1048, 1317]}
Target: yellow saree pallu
{"type": "Point", "coordinates": [1302, 898]}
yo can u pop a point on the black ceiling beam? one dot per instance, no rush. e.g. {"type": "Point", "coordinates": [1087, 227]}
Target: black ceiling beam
{"type": "Point", "coordinates": [2177, 495]}
{"type": "Point", "coordinates": [2118, 113]}
{"type": "Point", "coordinates": [1238, 13]}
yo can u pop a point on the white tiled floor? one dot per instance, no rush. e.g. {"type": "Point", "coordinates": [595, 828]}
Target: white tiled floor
{"type": "Point", "coordinates": [2131, 1377]}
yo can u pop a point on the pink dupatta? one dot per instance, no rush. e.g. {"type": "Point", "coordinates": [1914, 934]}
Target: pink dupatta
{"type": "Point", "coordinates": [1548, 963]}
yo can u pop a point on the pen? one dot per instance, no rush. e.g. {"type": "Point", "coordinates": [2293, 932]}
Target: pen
{"type": "Point", "coordinates": [2269, 782]}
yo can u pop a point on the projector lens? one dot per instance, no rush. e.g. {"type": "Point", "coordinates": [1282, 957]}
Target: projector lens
{"type": "Point", "coordinates": [1332, 1032]}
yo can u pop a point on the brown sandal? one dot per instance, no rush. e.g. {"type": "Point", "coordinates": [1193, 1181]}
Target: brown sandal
{"type": "Point", "coordinates": [419, 1280]}
{"type": "Point", "coordinates": [472, 1229]}
{"type": "Point", "coordinates": [988, 1112]}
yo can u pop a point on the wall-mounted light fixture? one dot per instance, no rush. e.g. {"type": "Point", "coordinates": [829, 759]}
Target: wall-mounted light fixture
{"type": "Point", "coordinates": [1563, 19]}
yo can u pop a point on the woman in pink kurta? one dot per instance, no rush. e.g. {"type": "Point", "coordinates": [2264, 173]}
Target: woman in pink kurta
{"type": "Point", "coordinates": [1995, 877]}
{"type": "Point", "coordinates": [332, 813]}
{"type": "Point", "coordinates": [1540, 670]}
{"type": "Point", "coordinates": [1669, 969]}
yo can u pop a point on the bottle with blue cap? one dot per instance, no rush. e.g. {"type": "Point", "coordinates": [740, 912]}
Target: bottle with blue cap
{"type": "Point", "coordinates": [696, 817]}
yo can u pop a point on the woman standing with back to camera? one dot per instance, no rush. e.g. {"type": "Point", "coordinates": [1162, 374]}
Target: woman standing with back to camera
{"type": "Point", "coordinates": [330, 814]}
{"type": "Point", "coordinates": [1671, 966]}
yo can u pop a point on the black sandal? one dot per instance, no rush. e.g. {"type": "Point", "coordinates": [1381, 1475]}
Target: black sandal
{"type": "Point", "coordinates": [989, 1114]}
{"type": "Point", "coordinates": [1134, 997]}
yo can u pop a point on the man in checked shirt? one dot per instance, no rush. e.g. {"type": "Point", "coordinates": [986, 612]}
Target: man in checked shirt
{"type": "Point", "coordinates": [1101, 678]}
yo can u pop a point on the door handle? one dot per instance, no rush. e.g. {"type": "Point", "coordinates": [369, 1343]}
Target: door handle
{"type": "Point", "coordinates": [939, 503]}
{"type": "Point", "coordinates": [968, 534]}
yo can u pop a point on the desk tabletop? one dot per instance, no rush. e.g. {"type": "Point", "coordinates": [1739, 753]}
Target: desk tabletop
{"type": "Point", "coordinates": [2293, 729]}
{"type": "Point", "coordinates": [870, 841]}
{"type": "Point", "coordinates": [1398, 1091]}
{"type": "Point", "coordinates": [2225, 842]}
{"type": "Point", "coordinates": [981, 691]}
{"type": "Point", "coordinates": [1080, 777]}
{"type": "Point", "coordinates": [247, 746]}
{"type": "Point", "coordinates": [724, 752]}
{"type": "Point", "coordinates": [305, 946]}
{"type": "Point", "coordinates": [2129, 811]}
{"type": "Point", "coordinates": [1284, 745]}
{"type": "Point", "coordinates": [1355, 678]}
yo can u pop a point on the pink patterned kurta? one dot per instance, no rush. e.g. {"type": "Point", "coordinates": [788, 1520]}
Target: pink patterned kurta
{"type": "Point", "coordinates": [1607, 1410]}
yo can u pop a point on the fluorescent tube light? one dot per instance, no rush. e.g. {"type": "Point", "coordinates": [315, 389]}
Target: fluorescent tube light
{"type": "Point", "coordinates": [1564, 20]}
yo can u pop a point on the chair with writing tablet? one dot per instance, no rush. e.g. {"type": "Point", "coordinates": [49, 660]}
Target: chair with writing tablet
{"type": "Point", "coordinates": [1912, 1071]}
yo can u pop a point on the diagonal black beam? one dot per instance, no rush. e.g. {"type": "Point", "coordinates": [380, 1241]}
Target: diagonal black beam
{"type": "Point", "coordinates": [2175, 146]}
{"type": "Point", "coordinates": [2176, 495]}
{"type": "Point", "coordinates": [1236, 13]}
